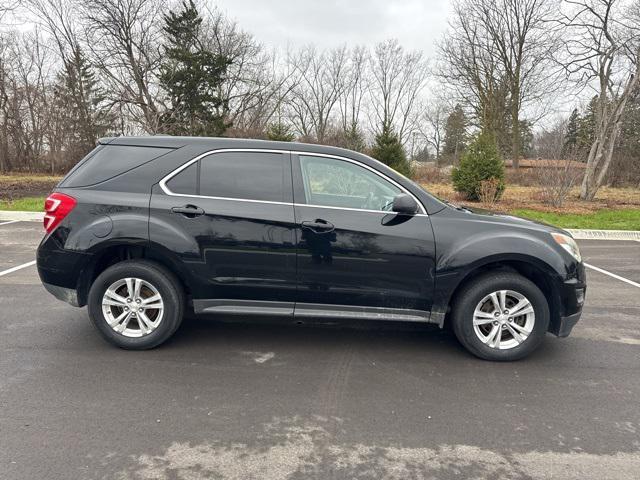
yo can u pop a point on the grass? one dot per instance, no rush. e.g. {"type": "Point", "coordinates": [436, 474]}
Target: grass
{"type": "Point", "coordinates": [26, 204]}
{"type": "Point", "coordinates": [628, 219]}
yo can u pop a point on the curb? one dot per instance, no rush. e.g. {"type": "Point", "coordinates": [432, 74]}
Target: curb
{"type": "Point", "coordinates": [21, 216]}
{"type": "Point", "coordinates": [604, 234]}
{"type": "Point", "coordinates": [578, 234]}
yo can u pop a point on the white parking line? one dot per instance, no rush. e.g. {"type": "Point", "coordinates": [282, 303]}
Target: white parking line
{"type": "Point", "coordinates": [19, 267]}
{"type": "Point", "coordinates": [10, 221]}
{"type": "Point", "coordinates": [617, 277]}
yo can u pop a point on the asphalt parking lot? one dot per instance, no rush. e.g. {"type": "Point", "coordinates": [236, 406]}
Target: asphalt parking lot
{"type": "Point", "coordinates": [260, 399]}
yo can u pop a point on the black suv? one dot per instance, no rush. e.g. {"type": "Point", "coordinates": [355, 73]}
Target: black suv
{"type": "Point", "coordinates": [145, 227]}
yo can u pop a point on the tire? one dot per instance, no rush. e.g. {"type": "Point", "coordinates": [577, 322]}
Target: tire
{"type": "Point", "coordinates": [476, 330]}
{"type": "Point", "coordinates": [161, 317]}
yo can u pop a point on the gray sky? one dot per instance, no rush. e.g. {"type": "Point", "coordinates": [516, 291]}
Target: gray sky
{"type": "Point", "coordinates": [418, 24]}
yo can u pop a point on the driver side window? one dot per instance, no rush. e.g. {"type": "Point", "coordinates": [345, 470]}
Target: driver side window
{"type": "Point", "coordinates": [331, 182]}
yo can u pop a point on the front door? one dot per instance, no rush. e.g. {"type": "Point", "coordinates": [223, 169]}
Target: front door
{"type": "Point", "coordinates": [229, 218]}
{"type": "Point", "coordinates": [355, 257]}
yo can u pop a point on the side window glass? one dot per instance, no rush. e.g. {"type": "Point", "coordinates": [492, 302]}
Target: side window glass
{"type": "Point", "coordinates": [338, 183]}
{"type": "Point", "coordinates": [245, 175]}
{"type": "Point", "coordinates": [185, 182]}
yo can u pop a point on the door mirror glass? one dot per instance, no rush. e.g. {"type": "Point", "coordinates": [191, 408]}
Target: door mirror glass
{"type": "Point", "coordinates": [405, 204]}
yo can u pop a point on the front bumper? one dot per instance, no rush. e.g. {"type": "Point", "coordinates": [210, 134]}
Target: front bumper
{"type": "Point", "coordinates": [566, 324]}
{"type": "Point", "coordinates": [68, 295]}
{"type": "Point", "coordinates": [572, 297]}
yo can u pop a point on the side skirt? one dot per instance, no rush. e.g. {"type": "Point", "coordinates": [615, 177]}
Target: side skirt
{"type": "Point", "coordinates": [310, 310]}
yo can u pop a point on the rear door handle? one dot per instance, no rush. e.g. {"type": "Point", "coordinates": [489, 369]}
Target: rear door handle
{"type": "Point", "coordinates": [319, 226]}
{"type": "Point", "coordinates": [189, 211]}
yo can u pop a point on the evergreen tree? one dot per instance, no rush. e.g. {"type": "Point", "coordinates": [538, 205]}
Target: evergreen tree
{"type": "Point", "coordinates": [388, 150]}
{"type": "Point", "coordinates": [80, 107]}
{"type": "Point", "coordinates": [571, 135]}
{"type": "Point", "coordinates": [481, 161]}
{"type": "Point", "coordinates": [280, 132]}
{"type": "Point", "coordinates": [587, 128]}
{"type": "Point", "coordinates": [455, 134]}
{"type": "Point", "coordinates": [354, 139]}
{"type": "Point", "coordinates": [191, 75]}
{"type": "Point", "coordinates": [526, 138]}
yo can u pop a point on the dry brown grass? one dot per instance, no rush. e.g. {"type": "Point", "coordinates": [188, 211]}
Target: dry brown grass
{"type": "Point", "coordinates": [21, 185]}
{"type": "Point", "coordinates": [526, 163]}
{"type": "Point", "coordinates": [517, 196]}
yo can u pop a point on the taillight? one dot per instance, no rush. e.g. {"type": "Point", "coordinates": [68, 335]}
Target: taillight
{"type": "Point", "coordinates": [56, 207]}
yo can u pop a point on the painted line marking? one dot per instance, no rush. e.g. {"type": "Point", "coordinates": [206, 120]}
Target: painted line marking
{"type": "Point", "coordinates": [19, 267]}
{"type": "Point", "coordinates": [10, 221]}
{"type": "Point", "coordinates": [617, 277]}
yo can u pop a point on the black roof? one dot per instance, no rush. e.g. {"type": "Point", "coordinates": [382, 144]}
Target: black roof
{"type": "Point", "coordinates": [169, 141]}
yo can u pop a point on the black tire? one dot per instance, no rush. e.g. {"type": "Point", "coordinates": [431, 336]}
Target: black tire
{"type": "Point", "coordinates": [473, 293]}
{"type": "Point", "coordinates": [166, 284]}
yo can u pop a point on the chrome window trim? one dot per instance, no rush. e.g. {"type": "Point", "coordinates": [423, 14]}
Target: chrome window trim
{"type": "Point", "coordinates": [169, 176]}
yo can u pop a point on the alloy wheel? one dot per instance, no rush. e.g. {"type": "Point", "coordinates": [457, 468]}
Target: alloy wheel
{"type": "Point", "coordinates": [132, 307]}
{"type": "Point", "coordinates": [503, 319]}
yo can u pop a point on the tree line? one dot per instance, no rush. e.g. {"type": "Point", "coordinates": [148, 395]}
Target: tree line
{"type": "Point", "coordinates": [92, 68]}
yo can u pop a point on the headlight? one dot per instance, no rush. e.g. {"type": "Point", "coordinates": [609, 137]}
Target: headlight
{"type": "Point", "coordinates": [569, 244]}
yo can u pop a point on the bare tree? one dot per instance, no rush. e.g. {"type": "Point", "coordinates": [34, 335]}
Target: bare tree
{"type": "Point", "coordinates": [398, 79]}
{"type": "Point", "coordinates": [557, 171]}
{"type": "Point", "coordinates": [78, 95]}
{"type": "Point", "coordinates": [432, 125]}
{"type": "Point", "coordinates": [124, 37]}
{"type": "Point", "coordinates": [254, 85]}
{"type": "Point", "coordinates": [318, 82]}
{"type": "Point", "coordinates": [468, 63]}
{"type": "Point", "coordinates": [497, 55]}
{"type": "Point", "coordinates": [26, 100]}
{"type": "Point", "coordinates": [8, 6]}
{"type": "Point", "coordinates": [603, 54]}
{"type": "Point", "coordinates": [357, 83]}
{"type": "Point", "coordinates": [519, 30]}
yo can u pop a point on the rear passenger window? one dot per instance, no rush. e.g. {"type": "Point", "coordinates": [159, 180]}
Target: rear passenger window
{"type": "Point", "coordinates": [108, 161]}
{"type": "Point", "coordinates": [245, 175]}
{"type": "Point", "coordinates": [186, 181]}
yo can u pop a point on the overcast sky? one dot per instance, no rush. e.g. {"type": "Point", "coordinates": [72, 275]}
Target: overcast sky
{"type": "Point", "coordinates": [418, 24]}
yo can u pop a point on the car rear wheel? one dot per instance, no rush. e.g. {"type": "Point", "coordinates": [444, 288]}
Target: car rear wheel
{"type": "Point", "coordinates": [500, 316]}
{"type": "Point", "coordinates": [136, 304]}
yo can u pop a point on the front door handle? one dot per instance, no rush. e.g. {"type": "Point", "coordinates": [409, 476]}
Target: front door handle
{"type": "Point", "coordinates": [319, 226]}
{"type": "Point", "coordinates": [189, 211]}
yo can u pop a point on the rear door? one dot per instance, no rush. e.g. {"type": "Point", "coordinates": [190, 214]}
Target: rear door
{"type": "Point", "coordinates": [228, 217]}
{"type": "Point", "coordinates": [355, 257]}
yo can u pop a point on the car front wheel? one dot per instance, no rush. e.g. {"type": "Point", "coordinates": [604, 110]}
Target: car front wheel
{"type": "Point", "coordinates": [500, 316]}
{"type": "Point", "coordinates": [136, 304]}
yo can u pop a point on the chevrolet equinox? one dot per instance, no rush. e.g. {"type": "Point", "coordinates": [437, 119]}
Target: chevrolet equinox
{"type": "Point", "coordinates": [145, 227]}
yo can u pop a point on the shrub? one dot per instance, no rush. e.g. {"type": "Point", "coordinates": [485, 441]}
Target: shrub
{"type": "Point", "coordinates": [481, 161]}
{"type": "Point", "coordinates": [389, 151]}
{"type": "Point", "coordinates": [556, 179]}
{"type": "Point", "coordinates": [488, 191]}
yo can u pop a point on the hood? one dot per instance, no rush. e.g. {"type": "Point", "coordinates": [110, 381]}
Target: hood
{"type": "Point", "coordinates": [488, 216]}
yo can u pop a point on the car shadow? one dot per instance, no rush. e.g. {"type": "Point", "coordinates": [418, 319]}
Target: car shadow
{"type": "Point", "coordinates": [277, 332]}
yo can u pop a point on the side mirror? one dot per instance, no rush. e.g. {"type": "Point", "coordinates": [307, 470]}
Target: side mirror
{"type": "Point", "coordinates": [404, 204]}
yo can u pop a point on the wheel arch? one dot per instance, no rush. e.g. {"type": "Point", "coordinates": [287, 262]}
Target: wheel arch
{"type": "Point", "coordinates": [111, 253]}
{"type": "Point", "coordinates": [535, 270]}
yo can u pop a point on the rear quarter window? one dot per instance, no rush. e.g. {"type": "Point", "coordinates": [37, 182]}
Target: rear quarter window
{"type": "Point", "coordinates": [185, 182]}
{"type": "Point", "coordinates": [107, 161]}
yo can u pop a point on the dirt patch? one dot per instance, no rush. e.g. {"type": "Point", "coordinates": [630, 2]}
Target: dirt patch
{"type": "Point", "coordinates": [19, 186]}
